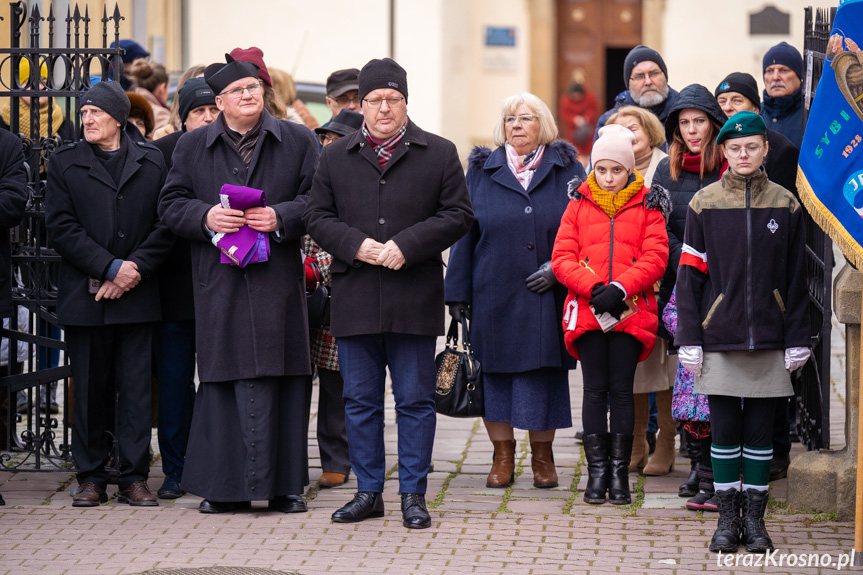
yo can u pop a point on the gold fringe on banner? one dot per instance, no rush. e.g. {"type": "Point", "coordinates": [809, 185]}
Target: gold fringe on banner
{"type": "Point", "coordinates": [850, 247]}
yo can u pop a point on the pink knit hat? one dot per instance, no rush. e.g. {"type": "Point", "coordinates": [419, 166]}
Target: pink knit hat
{"type": "Point", "coordinates": [615, 144]}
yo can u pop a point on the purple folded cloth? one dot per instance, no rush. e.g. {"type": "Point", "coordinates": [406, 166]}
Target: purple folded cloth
{"type": "Point", "coordinates": [245, 246]}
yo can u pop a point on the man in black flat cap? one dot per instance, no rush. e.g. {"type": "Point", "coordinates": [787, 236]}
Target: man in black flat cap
{"type": "Point", "coordinates": [248, 439]}
{"type": "Point", "coordinates": [100, 215]}
{"type": "Point", "coordinates": [342, 91]}
{"type": "Point", "coordinates": [386, 201]}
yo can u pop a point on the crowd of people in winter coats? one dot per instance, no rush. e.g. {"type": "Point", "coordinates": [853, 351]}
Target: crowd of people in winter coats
{"type": "Point", "coordinates": [670, 269]}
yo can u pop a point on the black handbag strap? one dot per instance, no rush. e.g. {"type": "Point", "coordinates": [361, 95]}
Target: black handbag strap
{"type": "Point", "coordinates": [452, 334]}
{"type": "Point", "coordinates": [465, 332]}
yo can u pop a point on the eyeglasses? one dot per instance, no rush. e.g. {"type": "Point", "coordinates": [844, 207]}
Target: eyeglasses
{"type": "Point", "coordinates": [253, 90]}
{"type": "Point", "coordinates": [751, 150]}
{"type": "Point", "coordinates": [328, 138]}
{"type": "Point", "coordinates": [653, 75]}
{"type": "Point", "coordinates": [525, 119]}
{"type": "Point", "coordinates": [347, 100]}
{"type": "Point", "coordinates": [391, 102]}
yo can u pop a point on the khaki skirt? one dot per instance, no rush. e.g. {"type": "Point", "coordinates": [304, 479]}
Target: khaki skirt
{"type": "Point", "coordinates": [744, 374]}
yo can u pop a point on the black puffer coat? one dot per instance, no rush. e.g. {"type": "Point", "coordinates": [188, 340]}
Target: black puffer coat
{"type": "Point", "coordinates": [681, 190]}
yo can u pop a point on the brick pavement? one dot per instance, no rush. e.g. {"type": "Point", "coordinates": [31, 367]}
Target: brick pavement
{"type": "Point", "coordinates": [475, 530]}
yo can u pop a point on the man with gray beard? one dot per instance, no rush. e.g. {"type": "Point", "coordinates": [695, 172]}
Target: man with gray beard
{"type": "Point", "coordinates": [646, 76]}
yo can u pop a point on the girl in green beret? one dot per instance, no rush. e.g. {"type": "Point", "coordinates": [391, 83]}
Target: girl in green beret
{"type": "Point", "coordinates": [742, 322]}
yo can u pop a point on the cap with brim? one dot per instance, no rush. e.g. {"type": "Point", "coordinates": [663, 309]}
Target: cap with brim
{"type": "Point", "coordinates": [740, 125]}
{"type": "Point", "coordinates": [344, 124]}
{"type": "Point", "coordinates": [342, 81]}
{"type": "Point", "coordinates": [219, 76]}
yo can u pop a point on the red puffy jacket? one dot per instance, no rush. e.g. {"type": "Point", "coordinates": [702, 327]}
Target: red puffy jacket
{"type": "Point", "coordinates": [631, 248]}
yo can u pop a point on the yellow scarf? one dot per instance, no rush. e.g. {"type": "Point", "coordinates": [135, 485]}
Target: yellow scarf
{"type": "Point", "coordinates": [56, 116]}
{"type": "Point", "coordinates": [611, 202]}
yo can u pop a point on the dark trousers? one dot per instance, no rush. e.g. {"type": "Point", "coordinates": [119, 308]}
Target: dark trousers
{"type": "Point", "coordinates": [731, 424]}
{"type": "Point", "coordinates": [608, 362]}
{"type": "Point", "coordinates": [363, 360]}
{"type": "Point", "coordinates": [96, 354]}
{"type": "Point", "coordinates": [332, 433]}
{"type": "Point", "coordinates": [174, 352]}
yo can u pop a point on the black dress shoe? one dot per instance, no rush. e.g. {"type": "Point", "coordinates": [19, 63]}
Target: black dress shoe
{"type": "Point", "coordinates": [414, 512]}
{"type": "Point", "coordinates": [288, 504]}
{"type": "Point", "coordinates": [364, 505]}
{"type": "Point", "coordinates": [208, 506]}
{"type": "Point", "coordinates": [170, 489]}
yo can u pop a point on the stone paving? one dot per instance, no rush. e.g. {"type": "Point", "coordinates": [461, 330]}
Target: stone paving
{"type": "Point", "coordinates": [475, 529]}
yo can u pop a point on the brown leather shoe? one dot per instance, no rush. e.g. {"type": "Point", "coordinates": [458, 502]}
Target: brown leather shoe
{"type": "Point", "coordinates": [542, 463]}
{"type": "Point", "coordinates": [330, 479]}
{"type": "Point", "coordinates": [502, 472]}
{"type": "Point", "coordinates": [137, 495]}
{"type": "Point", "coordinates": [89, 495]}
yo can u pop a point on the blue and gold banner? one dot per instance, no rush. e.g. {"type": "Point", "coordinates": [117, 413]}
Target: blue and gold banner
{"type": "Point", "coordinates": [830, 174]}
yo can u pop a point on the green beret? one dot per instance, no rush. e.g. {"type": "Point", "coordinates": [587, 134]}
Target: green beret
{"type": "Point", "coordinates": [742, 124]}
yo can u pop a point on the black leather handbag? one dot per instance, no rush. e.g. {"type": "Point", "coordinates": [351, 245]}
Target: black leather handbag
{"type": "Point", "coordinates": [318, 304]}
{"type": "Point", "coordinates": [459, 376]}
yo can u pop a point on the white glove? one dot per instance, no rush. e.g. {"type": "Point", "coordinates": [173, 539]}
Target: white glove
{"type": "Point", "coordinates": [795, 357]}
{"type": "Point", "coordinates": [691, 357]}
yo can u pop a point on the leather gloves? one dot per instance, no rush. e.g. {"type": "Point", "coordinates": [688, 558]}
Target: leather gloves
{"type": "Point", "coordinates": [691, 357]}
{"type": "Point", "coordinates": [542, 279]}
{"type": "Point", "coordinates": [458, 310]}
{"type": "Point", "coordinates": [796, 357]}
{"type": "Point", "coordinates": [607, 297]}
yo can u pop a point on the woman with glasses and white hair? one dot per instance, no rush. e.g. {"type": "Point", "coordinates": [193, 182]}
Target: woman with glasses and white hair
{"type": "Point", "coordinates": [499, 276]}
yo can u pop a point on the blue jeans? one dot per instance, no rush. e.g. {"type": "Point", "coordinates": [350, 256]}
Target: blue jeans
{"type": "Point", "coordinates": [363, 360]}
{"type": "Point", "coordinates": [174, 347]}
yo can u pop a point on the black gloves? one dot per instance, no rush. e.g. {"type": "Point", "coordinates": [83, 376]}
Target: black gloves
{"type": "Point", "coordinates": [458, 310]}
{"type": "Point", "coordinates": [607, 298]}
{"type": "Point", "coordinates": [542, 279]}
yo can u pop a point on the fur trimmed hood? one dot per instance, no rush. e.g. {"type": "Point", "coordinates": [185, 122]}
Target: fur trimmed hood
{"type": "Point", "coordinates": [658, 198]}
{"type": "Point", "coordinates": [567, 152]}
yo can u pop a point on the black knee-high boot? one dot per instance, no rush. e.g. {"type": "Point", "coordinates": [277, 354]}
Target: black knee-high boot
{"type": "Point", "coordinates": [620, 453]}
{"type": "Point", "coordinates": [598, 467]}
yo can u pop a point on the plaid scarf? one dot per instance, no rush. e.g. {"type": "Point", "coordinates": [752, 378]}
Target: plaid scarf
{"type": "Point", "coordinates": [245, 143]}
{"type": "Point", "coordinates": [523, 167]}
{"type": "Point", "coordinates": [385, 148]}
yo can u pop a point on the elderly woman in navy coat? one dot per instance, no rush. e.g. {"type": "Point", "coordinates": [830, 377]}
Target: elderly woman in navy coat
{"type": "Point", "coordinates": [499, 276]}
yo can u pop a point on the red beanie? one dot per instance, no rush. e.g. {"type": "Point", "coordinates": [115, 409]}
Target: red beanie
{"type": "Point", "coordinates": [256, 56]}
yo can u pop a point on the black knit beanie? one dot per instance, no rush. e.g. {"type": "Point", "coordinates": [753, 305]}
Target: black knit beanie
{"type": "Point", "coordinates": [194, 93]}
{"type": "Point", "coordinates": [638, 55]}
{"type": "Point", "coordinates": [384, 73]}
{"type": "Point", "coordinates": [785, 54]}
{"type": "Point", "coordinates": [110, 97]}
{"type": "Point", "coordinates": [742, 83]}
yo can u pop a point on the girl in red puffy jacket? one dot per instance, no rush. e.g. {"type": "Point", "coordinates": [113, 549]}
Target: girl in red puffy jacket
{"type": "Point", "coordinates": [610, 249]}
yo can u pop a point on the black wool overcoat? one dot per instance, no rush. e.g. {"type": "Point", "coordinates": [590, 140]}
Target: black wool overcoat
{"type": "Point", "coordinates": [420, 201]}
{"type": "Point", "coordinates": [92, 220]}
{"type": "Point", "coordinates": [250, 322]}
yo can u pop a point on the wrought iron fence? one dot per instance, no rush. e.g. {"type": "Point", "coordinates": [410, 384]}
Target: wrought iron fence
{"type": "Point", "coordinates": [41, 75]}
{"type": "Point", "coordinates": [812, 385]}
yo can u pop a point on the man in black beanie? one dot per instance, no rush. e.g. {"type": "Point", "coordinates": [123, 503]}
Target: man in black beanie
{"type": "Point", "coordinates": [387, 305]}
{"type": "Point", "coordinates": [782, 108]}
{"type": "Point", "coordinates": [646, 77]}
{"type": "Point", "coordinates": [738, 92]}
{"type": "Point", "coordinates": [174, 351]}
{"type": "Point", "coordinates": [100, 215]}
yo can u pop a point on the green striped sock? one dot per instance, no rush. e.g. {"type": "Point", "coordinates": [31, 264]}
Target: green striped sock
{"type": "Point", "coordinates": [756, 464]}
{"type": "Point", "coordinates": [726, 463]}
